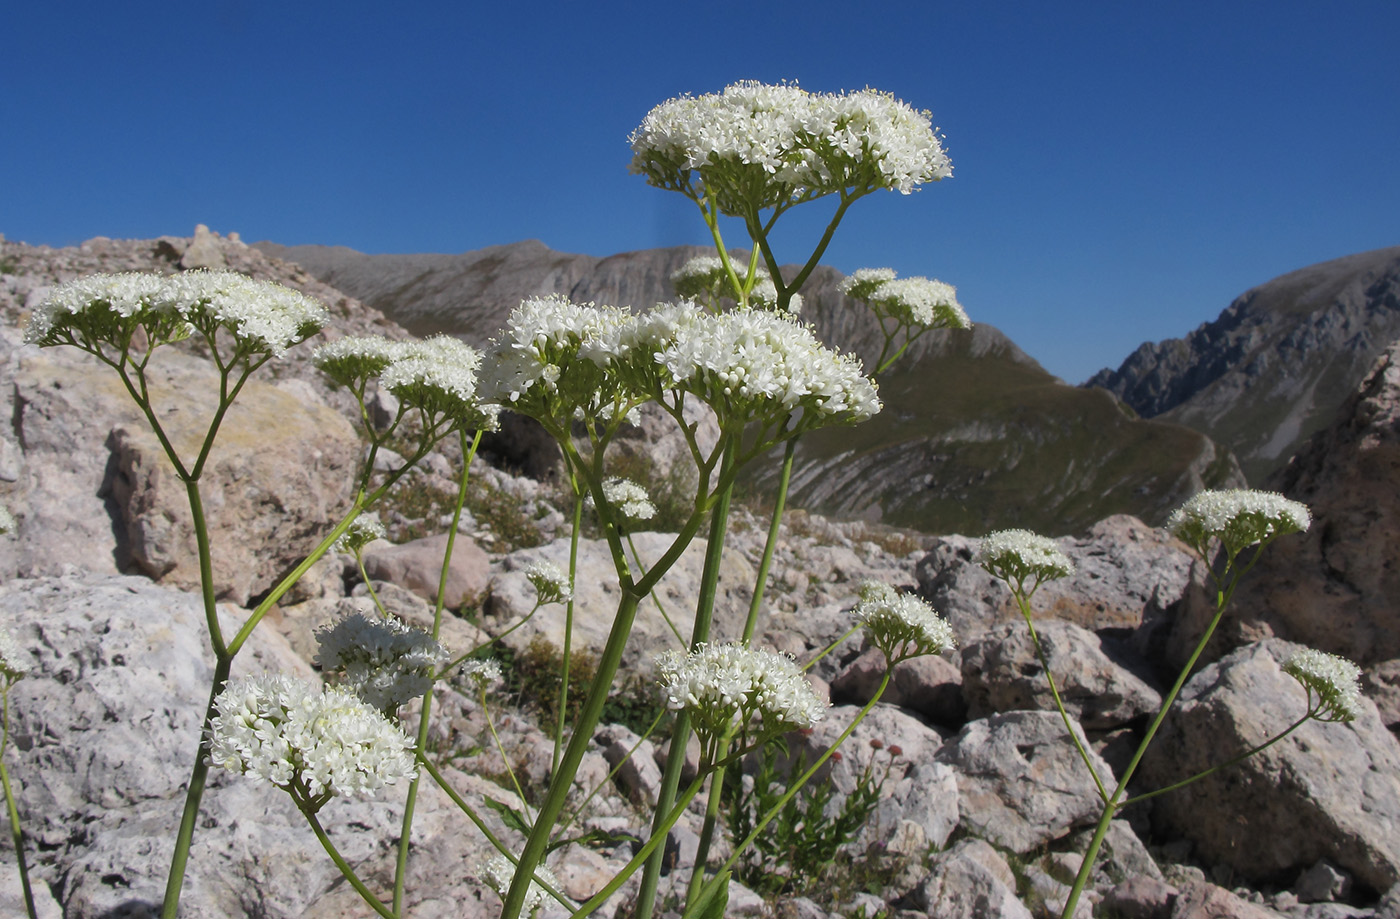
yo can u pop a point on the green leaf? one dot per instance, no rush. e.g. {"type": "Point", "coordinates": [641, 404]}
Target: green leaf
{"type": "Point", "coordinates": [598, 839]}
{"type": "Point", "coordinates": [511, 817]}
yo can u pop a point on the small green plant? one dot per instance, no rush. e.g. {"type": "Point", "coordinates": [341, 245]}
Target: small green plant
{"type": "Point", "coordinates": [793, 854]}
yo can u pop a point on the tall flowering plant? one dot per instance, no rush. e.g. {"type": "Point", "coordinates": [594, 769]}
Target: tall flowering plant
{"type": "Point", "coordinates": [1228, 530]}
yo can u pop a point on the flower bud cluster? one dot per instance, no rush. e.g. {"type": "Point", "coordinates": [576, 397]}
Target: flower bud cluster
{"type": "Point", "coordinates": [551, 583]}
{"type": "Point", "coordinates": [914, 301]}
{"type": "Point", "coordinates": [1238, 518]}
{"type": "Point", "coordinates": [901, 625]}
{"type": "Point", "coordinates": [7, 521]}
{"type": "Point", "coordinates": [481, 673]}
{"type": "Point", "coordinates": [362, 531]}
{"type": "Point", "coordinates": [728, 686]}
{"type": "Point", "coordinates": [382, 661]}
{"type": "Point", "coordinates": [500, 871]}
{"type": "Point", "coordinates": [1016, 556]}
{"type": "Point", "coordinates": [437, 375]}
{"type": "Point", "coordinates": [754, 146]}
{"type": "Point", "coordinates": [107, 308]}
{"type": "Point", "coordinates": [14, 663]}
{"type": "Point", "coordinates": [316, 744]}
{"type": "Point", "coordinates": [1333, 679]}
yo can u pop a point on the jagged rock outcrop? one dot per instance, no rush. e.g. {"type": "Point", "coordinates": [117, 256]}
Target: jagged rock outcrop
{"type": "Point", "coordinates": [1333, 587]}
{"type": "Point", "coordinates": [1278, 362]}
{"type": "Point", "coordinates": [1327, 790]}
{"type": "Point", "coordinates": [975, 435]}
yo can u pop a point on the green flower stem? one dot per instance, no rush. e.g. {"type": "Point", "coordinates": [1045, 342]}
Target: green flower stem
{"type": "Point", "coordinates": [759, 233]}
{"type": "Point", "coordinates": [562, 782]}
{"type": "Point", "coordinates": [365, 893]}
{"type": "Point", "coordinates": [697, 906]}
{"type": "Point", "coordinates": [369, 585]}
{"type": "Point", "coordinates": [1223, 595]}
{"type": "Point", "coordinates": [680, 734]}
{"type": "Point", "coordinates": [831, 647]}
{"type": "Point", "coordinates": [1312, 712]}
{"type": "Point", "coordinates": [652, 845]}
{"type": "Point", "coordinates": [766, 562]}
{"type": "Point", "coordinates": [421, 740]}
{"type": "Point", "coordinates": [1024, 602]}
{"type": "Point", "coordinates": [655, 600]}
{"type": "Point", "coordinates": [574, 532]}
{"type": "Point", "coordinates": [194, 793]}
{"type": "Point", "coordinates": [607, 780]}
{"type": "Point", "coordinates": [16, 831]}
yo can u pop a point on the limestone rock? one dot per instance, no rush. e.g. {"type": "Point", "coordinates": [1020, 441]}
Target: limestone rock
{"type": "Point", "coordinates": [1207, 901]}
{"type": "Point", "coordinates": [970, 881]}
{"type": "Point", "coordinates": [1001, 673]}
{"type": "Point", "coordinates": [1326, 791]}
{"type": "Point", "coordinates": [203, 251]}
{"type": "Point", "coordinates": [1141, 898]}
{"type": "Point", "coordinates": [929, 685]}
{"type": "Point", "coordinates": [1021, 783]}
{"type": "Point", "coordinates": [1334, 586]}
{"type": "Point", "coordinates": [417, 566]}
{"type": "Point", "coordinates": [1124, 570]}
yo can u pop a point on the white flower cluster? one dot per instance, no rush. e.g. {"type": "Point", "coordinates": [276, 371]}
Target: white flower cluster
{"type": "Point", "coordinates": [755, 145]}
{"type": "Point", "coordinates": [901, 625]}
{"type": "Point", "coordinates": [1016, 555]}
{"type": "Point", "coordinates": [550, 582]}
{"type": "Point", "coordinates": [726, 685]}
{"type": "Point", "coordinates": [553, 355]}
{"type": "Point", "coordinates": [628, 498]}
{"type": "Point", "coordinates": [382, 661]}
{"type": "Point", "coordinates": [500, 871]}
{"type": "Point", "coordinates": [14, 663]}
{"type": "Point", "coordinates": [362, 531]}
{"type": "Point", "coordinates": [480, 672]}
{"type": "Point", "coordinates": [1334, 679]}
{"type": "Point", "coordinates": [557, 358]}
{"type": "Point", "coordinates": [704, 277]}
{"type": "Point", "coordinates": [1238, 518]}
{"type": "Point", "coordinates": [7, 521]}
{"type": "Point", "coordinates": [316, 744]}
{"type": "Point", "coordinates": [437, 375]}
{"type": "Point", "coordinates": [752, 364]}
{"type": "Point", "coordinates": [261, 315]}
{"type": "Point", "coordinates": [910, 301]}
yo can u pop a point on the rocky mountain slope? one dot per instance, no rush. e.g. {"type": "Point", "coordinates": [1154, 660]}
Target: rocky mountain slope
{"type": "Point", "coordinates": [1277, 364]}
{"type": "Point", "coordinates": [976, 435]}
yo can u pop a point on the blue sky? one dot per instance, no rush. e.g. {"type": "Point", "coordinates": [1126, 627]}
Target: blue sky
{"type": "Point", "coordinates": [1121, 170]}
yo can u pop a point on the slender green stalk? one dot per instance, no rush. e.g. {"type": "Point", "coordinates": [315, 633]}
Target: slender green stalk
{"type": "Point", "coordinates": [697, 906]}
{"type": "Point", "coordinates": [1024, 602]}
{"type": "Point", "coordinates": [574, 534]}
{"type": "Point", "coordinates": [831, 647]}
{"type": "Point", "coordinates": [582, 738]}
{"type": "Point", "coordinates": [16, 831]}
{"type": "Point", "coordinates": [608, 779]}
{"type": "Point", "coordinates": [680, 733]}
{"type": "Point", "coordinates": [766, 562]}
{"type": "Point", "coordinates": [646, 852]}
{"type": "Point", "coordinates": [1224, 592]}
{"type": "Point", "coordinates": [421, 740]}
{"type": "Point", "coordinates": [349, 873]}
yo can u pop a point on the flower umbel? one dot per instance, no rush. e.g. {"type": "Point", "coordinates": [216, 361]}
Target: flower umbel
{"type": "Point", "coordinates": [755, 146]}
{"type": "Point", "coordinates": [1238, 518]}
{"type": "Point", "coordinates": [383, 661]}
{"type": "Point", "coordinates": [1333, 680]}
{"type": "Point", "coordinates": [900, 625]}
{"type": "Point", "coordinates": [14, 663]}
{"type": "Point", "coordinates": [315, 744]}
{"type": "Point", "coordinates": [500, 871]}
{"type": "Point", "coordinates": [1016, 556]}
{"type": "Point", "coordinates": [362, 531]}
{"type": "Point", "coordinates": [550, 582]}
{"type": "Point", "coordinates": [731, 685]}
{"type": "Point", "coordinates": [628, 498]}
